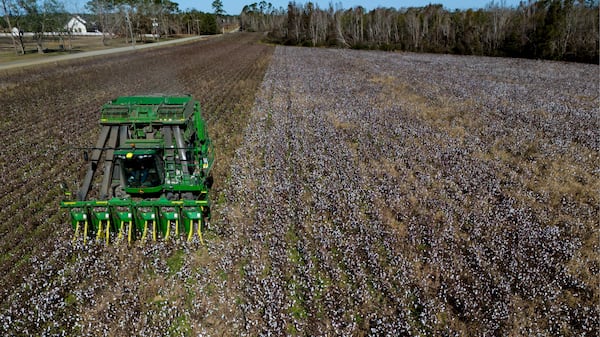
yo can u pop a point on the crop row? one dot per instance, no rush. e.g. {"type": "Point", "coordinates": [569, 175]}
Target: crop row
{"type": "Point", "coordinates": [417, 194]}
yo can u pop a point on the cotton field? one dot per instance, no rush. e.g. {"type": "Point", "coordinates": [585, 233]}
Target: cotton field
{"type": "Point", "coordinates": [357, 193]}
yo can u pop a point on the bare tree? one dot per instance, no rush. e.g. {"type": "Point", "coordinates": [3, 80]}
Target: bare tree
{"type": "Point", "coordinates": [105, 17]}
{"type": "Point", "coordinates": [500, 16]}
{"type": "Point", "coordinates": [556, 29]}
{"type": "Point", "coordinates": [413, 23]}
{"type": "Point", "coordinates": [293, 24]}
{"type": "Point", "coordinates": [42, 17]}
{"type": "Point", "coordinates": [9, 7]}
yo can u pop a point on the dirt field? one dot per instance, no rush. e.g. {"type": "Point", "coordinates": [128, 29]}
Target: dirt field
{"type": "Point", "coordinates": [357, 193]}
{"type": "Point", "coordinates": [49, 111]}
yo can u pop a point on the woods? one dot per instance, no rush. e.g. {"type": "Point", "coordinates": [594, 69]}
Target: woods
{"type": "Point", "coordinates": [565, 30]}
{"type": "Point", "coordinates": [133, 20]}
{"type": "Point", "coordinates": [547, 29]}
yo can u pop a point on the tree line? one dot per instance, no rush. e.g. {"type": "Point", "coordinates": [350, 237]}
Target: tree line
{"type": "Point", "coordinates": [546, 29]}
{"type": "Point", "coordinates": [132, 19]}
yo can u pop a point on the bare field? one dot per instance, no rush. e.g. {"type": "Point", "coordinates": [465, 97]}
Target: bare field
{"type": "Point", "coordinates": [358, 193]}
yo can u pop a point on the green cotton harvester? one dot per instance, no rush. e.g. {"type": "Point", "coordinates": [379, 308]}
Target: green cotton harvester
{"type": "Point", "coordinates": [155, 157]}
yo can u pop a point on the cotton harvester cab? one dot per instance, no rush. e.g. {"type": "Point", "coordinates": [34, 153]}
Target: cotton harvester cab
{"type": "Point", "coordinates": [154, 158]}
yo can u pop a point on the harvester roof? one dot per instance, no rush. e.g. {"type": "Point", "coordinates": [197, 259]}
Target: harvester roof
{"type": "Point", "coordinates": [147, 109]}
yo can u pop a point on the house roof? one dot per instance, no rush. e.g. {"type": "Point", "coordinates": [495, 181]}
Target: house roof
{"type": "Point", "coordinates": [78, 18]}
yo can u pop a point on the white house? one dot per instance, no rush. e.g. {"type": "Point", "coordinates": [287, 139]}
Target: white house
{"type": "Point", "coordinates": [76, 25]}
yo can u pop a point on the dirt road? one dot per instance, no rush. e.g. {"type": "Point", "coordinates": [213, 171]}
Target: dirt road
{"type": "Point", "coordinates": [27, 63]}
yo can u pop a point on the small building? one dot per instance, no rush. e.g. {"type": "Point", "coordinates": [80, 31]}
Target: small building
{"type": "Point", "coordinates": [76, 25]}
{"type": "Point", "coordinates": [16, 32]}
